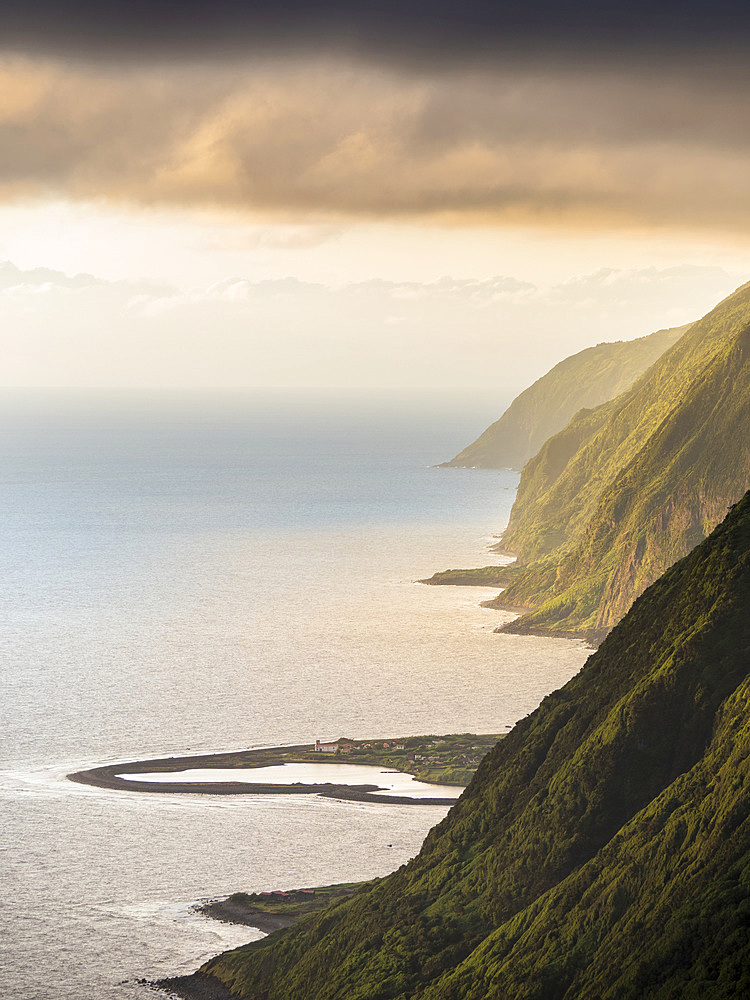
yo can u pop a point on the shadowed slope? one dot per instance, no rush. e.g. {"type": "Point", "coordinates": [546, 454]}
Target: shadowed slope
{"type": "Point", "coordinates": [597, 849]}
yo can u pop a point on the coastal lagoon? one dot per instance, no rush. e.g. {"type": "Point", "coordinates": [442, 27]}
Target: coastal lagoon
{"type": "Point", "coordinates": [394, 782]}
{"type": "Point", "coordinates": [192, 573]}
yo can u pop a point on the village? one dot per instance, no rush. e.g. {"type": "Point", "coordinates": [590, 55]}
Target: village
{"type": "Point", "coordinates": [448, 759]}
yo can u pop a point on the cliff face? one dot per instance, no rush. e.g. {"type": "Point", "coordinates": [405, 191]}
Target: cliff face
{"type": "Point", "coordinates": [602, 848]}
{"type": "Point", "coordinates": [626, 489]}
{"type": "Point", "coordinates": [584, 380]}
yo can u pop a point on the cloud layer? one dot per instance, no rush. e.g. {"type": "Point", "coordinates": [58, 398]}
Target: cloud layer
{"type": "Point", "coordinates": [414, 30]}
{"type": "Point", "coordinates": [500, 332]}
{"type": "Point", "coordinates": [329, 140]}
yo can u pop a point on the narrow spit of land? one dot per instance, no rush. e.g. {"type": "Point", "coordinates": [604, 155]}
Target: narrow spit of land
{"type": "Point", "coordinates": [448, 760]}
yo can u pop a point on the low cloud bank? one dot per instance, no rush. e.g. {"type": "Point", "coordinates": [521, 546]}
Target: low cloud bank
{"type": "Point", "coordinates": [76, 331]}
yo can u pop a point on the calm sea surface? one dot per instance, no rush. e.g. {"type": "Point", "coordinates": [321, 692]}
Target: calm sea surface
{"type": "Point", "coordinates": [196, 572]}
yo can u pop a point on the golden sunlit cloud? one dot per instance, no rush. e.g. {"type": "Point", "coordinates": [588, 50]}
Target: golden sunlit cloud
{"type": "Point", "coordinates": [331, 140]}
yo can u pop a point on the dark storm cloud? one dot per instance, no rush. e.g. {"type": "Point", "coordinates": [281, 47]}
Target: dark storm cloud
{"type": "Point", "coordinates": [543, 111]}
{"type": "Point", "coordinates": [410, 29]}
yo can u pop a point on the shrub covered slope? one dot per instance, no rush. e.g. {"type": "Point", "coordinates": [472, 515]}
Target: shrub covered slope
{"type": "Point", "coordinates": [586, 379]}
{"type": "Point", "coordinates": [602, 849]}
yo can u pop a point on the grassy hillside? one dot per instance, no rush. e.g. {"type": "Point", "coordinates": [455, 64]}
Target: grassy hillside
{"type": "Point", "coordinates": [602, 849]}
{"type": "Point", "coordinates": [626, 489]}
{"type": "Point", "coordinates": [586, 379]}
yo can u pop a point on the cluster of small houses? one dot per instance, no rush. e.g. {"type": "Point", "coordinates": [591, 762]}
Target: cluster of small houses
{"type": "Point", "coordinates": [346, 746]}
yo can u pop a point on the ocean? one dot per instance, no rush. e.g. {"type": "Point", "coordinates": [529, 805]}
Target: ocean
{"type": "Point", "coordinates": [195, 571]}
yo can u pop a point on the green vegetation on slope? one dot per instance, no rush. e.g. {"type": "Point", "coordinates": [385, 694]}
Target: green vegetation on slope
{"type": "Point", "coordinates": [602, 848]}
{"type": "Point", "coordinates": [585, 379]}
{"type": "Point", "coordinates": [627, 489]}
{"type": "Point", "coordinates": [294, 902]}
{"type": "Point", "coordinates": [450, 759]}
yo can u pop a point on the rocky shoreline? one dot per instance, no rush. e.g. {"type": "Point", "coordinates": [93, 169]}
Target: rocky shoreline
{"type": "Point", "coordinates": [229, 911]}
{"type": "Point", "coordinates": [267, 912]}
{"type": "Point", "coordinates": [194, 987]}
{"type": "Point", "coordinates": [593, 637]}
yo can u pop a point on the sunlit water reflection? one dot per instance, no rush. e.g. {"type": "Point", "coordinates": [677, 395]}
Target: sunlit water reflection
{"type": "Point", "coordinates": [183, 579]}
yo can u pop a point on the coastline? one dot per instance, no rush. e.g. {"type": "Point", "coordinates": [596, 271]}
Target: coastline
{"type": "Point", "coordinates": [226, 911]}
{"type": "Point", "coordinates": [499, 576]}
{"type": "Point", "coordinates": [273, 911]}
{"type": "Point", "coordinates": [593, 637]}
{"type": "Point", "coordinates": [200, 985]}
{"type": "Point", "coordinates": [196, 986]}
{"type": "Point", "coordinates": [266, 912]}
{"type": "Point", "coordinates": [491, 576]}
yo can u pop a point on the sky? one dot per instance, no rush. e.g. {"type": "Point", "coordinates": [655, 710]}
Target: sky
{"type": "Point", "coordinates": [363, 194]}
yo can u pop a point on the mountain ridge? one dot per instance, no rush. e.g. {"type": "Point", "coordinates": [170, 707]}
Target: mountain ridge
{"type": "Point", "coordinates": [580, 381]}
{"type": "Point", "coordinates": [627, 488]}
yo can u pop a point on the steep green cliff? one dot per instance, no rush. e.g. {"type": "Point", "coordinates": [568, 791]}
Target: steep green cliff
{"type": "Point", "coordinates": [629, 487]}
{"type": "Point", "coordinates": [586, 379]}
{"type": "Point", "coordinates": [602, 849]}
